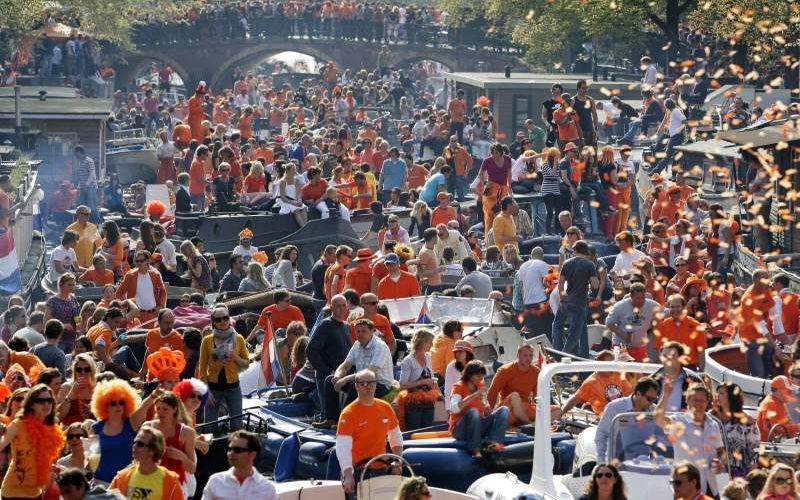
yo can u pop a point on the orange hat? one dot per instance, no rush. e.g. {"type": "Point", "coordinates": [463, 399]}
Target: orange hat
{"type": "Point", "coordinates": [462, 345]}
{"type": "Point", "coordinates": [364, 254]}
{"type": "Point", "coordinates": [246, 233]}
{"type": "Point", "coordinates": [656, 179]}
{"type": "Point", "coordinates": [694, 280]}
{"type": "Point", "coordinates": [261, 257]}
{"type": "Point", "coordinates": [201, 88]}
{"type": "Point", "coordinates": [673, 189]}
{"type": "Point", "coordinates": [166, 364]}
{"type": "Point", "coordinates": [483, 101]}
{"type": "Point", "coordinates": [780, 383]}
{"type": "Point", "coordinates": [570, 146]}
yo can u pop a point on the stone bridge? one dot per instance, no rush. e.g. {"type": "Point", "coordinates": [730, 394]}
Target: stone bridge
{"type": "Point", "coordinates": [215, 60]}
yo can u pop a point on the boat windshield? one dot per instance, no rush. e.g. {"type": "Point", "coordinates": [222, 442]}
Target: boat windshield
{"type": "Point", "coordinates": [438, 309]}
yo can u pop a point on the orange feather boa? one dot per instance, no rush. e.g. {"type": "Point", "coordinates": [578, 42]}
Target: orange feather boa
{"type": "Point", "coordinates": [48, 440]}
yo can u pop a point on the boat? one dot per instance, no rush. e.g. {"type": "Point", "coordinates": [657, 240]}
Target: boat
{"type": "Point", "coordinates": [646, 471]}
{"type": "Point", "coordinates": [728, 363]}
{"type": "Point", "coordinates": [132, 156]}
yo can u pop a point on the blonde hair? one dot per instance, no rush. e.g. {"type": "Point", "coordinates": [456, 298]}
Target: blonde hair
{"type": "Point", "coordinates": [89, 360]}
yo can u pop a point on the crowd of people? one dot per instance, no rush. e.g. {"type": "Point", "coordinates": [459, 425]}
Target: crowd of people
{"type": "Point", "coordinates": [117, 387]}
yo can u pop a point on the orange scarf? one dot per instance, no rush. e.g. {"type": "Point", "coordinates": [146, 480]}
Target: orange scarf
{"type": "Point", "coordinates": [49, 441]}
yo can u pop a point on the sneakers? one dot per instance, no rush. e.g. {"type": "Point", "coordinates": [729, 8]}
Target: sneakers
{"type": "Point", "coordinates": [325, 424]}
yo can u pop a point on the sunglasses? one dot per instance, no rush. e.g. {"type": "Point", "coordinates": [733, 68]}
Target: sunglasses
{"type": "Point", "coordinates": [780, 481]}
{"type": "Point", "coordinates": [676, 482]}
{"type": "Point", "coordinates": [237, 449]}
{"type": "Point", "coordinates": [607, 475]}
{"type": "Point", "coordinates": [18, 399]}
{"type": "Point", "coordinates": [194, 395]}
{"type": "Point", "coordinates": [44, 401]}
{"type": "Point", "coordinates": [222, 318]}
{"type": "Point", "coordinates": [140, 444]}
{"type": "Point", "coordinates": [366, 383]}
{"type": "Point", "coordinates": [85, 369]}
{"type": "Point", "coordinates": [75, 436]}
{"type": "Point", "coordinates": [121, 402]}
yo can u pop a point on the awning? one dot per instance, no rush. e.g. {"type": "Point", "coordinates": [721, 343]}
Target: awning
{"type": "Point", "coordinates": [766, 136]}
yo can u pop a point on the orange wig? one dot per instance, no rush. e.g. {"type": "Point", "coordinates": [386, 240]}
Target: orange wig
{"type": "Point", "coordinates": [114, 390]}
{"type": "Point", "coordinates": [607, 154]}
{"type": "Point", "coordinates": [156, 208]}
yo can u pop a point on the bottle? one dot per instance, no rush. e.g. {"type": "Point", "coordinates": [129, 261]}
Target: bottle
{"type": "Point", "coordinates": [616, 353]}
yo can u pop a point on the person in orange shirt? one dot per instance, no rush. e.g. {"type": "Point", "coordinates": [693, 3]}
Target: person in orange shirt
{"type": "Point", "coordinates": [682, 328]}
{"type": "Point", "coordinates": [443, 344]}
{"type": "Point", "coordinates": [397, 284]}
{"type": "Point", "coordinates": [568, 122]}
{"type": "Point", "coordinates": [98, 274]}
{"type": "Point", "coordinates": [282, 313]}
{"type": "Point", "coordinates": [460, 161]}
{"type": "Point", "coordinates": [363, 429]}
{"type": "Point", "coordinates": [773, 412]}
{"type": "Point", "coordinates": [471, 418]}
{"type": "Point", "coordinates": [514, 386]}
{"type": "Point", "coordinates": [101, 335]}
{"type": "Point", "coordinates": [264, 152]}
{"type": "Point", "coordinates": [359, 278]}
{"type": "Point", "coordinates": [671, 209]}
{"type": "Point", "coordinates": [363, 193]}
{"type": "Point", "coordinates": [443, 213]}
{"type": "Point", "coordinates": [163, 336]}
{"type": "Point", "coordinates": [417, 174]}
{"type": "Point", "coordinates": [245, 123]}
{"type": "Point", "coordinates": [336, 272]}
{"type": "Point", "coordinates": [599, 389]}
{"type": "Point", "coordinates": [757, 308]}
{"type": "Point", "coordinates": [221, 114]}
{"type": "Point", "coordinates": [197, 112]}
{"type": "Point", "coordinates": [369, 303]}
{"type": "Point", "coordinates": [182, 135]}
{"type": "Point", "coordinates": [457, 109]}
{"type": "Point", "coordinates": [197, 178]}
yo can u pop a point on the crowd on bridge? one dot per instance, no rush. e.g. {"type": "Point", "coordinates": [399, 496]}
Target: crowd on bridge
{"type": "Point", "coordinates": [128, 378]}
{"type": "Point", "coordinates": [377, 22]}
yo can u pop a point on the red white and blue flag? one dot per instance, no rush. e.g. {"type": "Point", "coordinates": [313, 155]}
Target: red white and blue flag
{"type": "Point", "coordinates": [10, 278]}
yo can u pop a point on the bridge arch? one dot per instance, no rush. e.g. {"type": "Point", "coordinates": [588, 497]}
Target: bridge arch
{"type": "Point", "coordinates": [253, 55]}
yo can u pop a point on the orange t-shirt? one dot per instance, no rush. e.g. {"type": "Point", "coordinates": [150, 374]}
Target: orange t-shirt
{"type": "Point", "coordinates": [754, 309]}
{"type": "Point", "coordinates": [417, 175]}
{"type": "Point", "coordinates": [266, 154]}
{"type": "Point", "coordinates": [406, 286]}
{"type": "Point", "coordinates": [197, 180]}
{"type": "Point", "coordinates": [462, 390]}
{"type": "Point", "coordinates": [442, 353]}
{"type": "Point", "coordinates": [443, 215]}
{"type": "Point", "coordinates": [600, 388]}
{"type": "Point", "coordinates": [182, 134]}
{"type": "Point", "coordinates": [359, 278]}
{"type": "Point", "coordinates": [93, 275]}
{"type": "Point", "coordinates": [332, 271]}
{"type": "Point", "coordinates": [569, 130]}
{"type": "Point", "coordinates": [771, 413]}
{"type": "Point", "coordinates": [381, 324]}
{"type": "Point", "coordinates": [280, 319]}
{"type": "Point", "coordinates": [689, 333]}
{"type": "Point", "coordinates": [253, 184]}
{"type": "Point", "coordinates": [154, 341]}
{"type": "Point", "coordinates": [314, 191]}
{"type": "Point", "coordinates": [509, 378]}
{"type": "Point", "coordinates": [98, 331]}
{"type": "Point", "coordinates": [245, 126]}
{"type": "Point", "coordinates": [369, 426]}
{"type": "Point", "coordinates": [790, 311]}
{"type": "Point", "coordinates": [457, 110]}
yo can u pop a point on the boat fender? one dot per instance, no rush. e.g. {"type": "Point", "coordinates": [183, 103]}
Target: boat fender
{"type": "Point", "coordinates": [286, 462]}
{"type": "Point", "coordinates": [516, 458]}
{"type": "Point", "coordinates": [271, 446]}
{"type": "Point", "coordinates": [312, 459]}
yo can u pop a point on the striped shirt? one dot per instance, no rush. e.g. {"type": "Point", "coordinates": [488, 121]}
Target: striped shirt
{"type": "Point", "coordinates": [550, 179]}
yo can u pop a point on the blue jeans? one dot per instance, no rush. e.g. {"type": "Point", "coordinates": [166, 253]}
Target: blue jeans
{"type": "Point", "coordinates": [418, 416]}
{"type": "Point", "coordinates": [457, 185]}
{"type": "Point", "coordinates": [232, 397]}
{"type": "Point", "coordinates": [199, 200]}
{"type": "Point", "coordinates": [125, 356]}
{"type": "Point", "coordinates": [759, 359]}
{"type": "Point", "coordinates": [599, 193]}
{"type": "Point", "coordinates": [675, 140]}
{"type": "Point", "coordinates": [577, 339]}
{"type": "Point", "coordinates": [88, 196]}
{"type": "Point", "coordinates": [473, 429]}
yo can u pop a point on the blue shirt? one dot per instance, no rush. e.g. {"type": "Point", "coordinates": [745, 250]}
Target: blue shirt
{"type": "Point", "coordinates": [394, 174]}
{"type": "Point", "coordinates": [431, 188]}
{"type": "Point", "coordinates": [116, 452]}
{"type": "Point", "coordinates": [296, 152]}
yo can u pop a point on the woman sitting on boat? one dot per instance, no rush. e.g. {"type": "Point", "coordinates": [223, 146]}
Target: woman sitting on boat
{"type": "Point", "coordinates": [254, 281]}
{"type": "Point", "coordinates": [285, 269]}
{"type": "Point", "coordinates": [781, 484]}
{"type": "Point", "coordinates": [173, 421]}
{"type": "Point", "coordinates": [462, 350]}
{"type": "Point", "coordinates": [289, 195]}
{"type": "Point", "coordinates": [606, 484]}
{"type": "Point", "coordinates": [420, 389]}
{"type": "Point", "coordinates": [199, 270]}
{"type": "Point", "coordinates": [740, 430]}
{"type": "Point", "coordinates": [471, 418]}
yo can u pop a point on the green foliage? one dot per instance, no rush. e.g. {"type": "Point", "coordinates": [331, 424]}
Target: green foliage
{"type": "Point", "coordinates": [20, 16]}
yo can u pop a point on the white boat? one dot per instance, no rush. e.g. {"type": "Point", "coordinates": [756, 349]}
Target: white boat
{"type": "Point", "coordinates": [648, 477]}
{"type": "Point", "coordinates": [727, 363]}
{"type": "Point", "coordinates": [132, 156]}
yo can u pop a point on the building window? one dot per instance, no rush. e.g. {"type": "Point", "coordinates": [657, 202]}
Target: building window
{"type": "Point", "coordinates": [522, 111]}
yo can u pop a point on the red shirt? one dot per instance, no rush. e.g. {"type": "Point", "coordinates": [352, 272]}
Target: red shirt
{"type": "Point", "coordinates": [406, 286]}
{"type": "Point", "coordinates": [280, 319]}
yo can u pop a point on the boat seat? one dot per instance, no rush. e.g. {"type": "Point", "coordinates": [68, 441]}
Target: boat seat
{"type": "Point", "coordinates": [312, 460]}
{"type": "Point", "coordinates": [443, 442]}
{"type": "Point", "coordinates": [380, 487]}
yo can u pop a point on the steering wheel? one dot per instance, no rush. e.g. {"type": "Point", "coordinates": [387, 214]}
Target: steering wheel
{"type": "Point", "coordinates": [778, 433]}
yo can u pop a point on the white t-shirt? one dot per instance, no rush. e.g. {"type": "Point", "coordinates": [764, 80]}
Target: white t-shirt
{"type": "Point", "coordinates": [145, 295]}
{"type": "Point", "coordinates": [531, 275]}
{"type": "Point", "coordinates": [167, 250]}
{"type": "Point", "coordinates": [33, 337]}
{"type": "Point", "coordinates": [451, 376]}
{"type": "Point", "coordinates": [676, 119]}
{"type": "Point", "coordinates": [66, 257]}
{"type": "Point", "coordinates": [245, 253]}
{"type": "Point", "coordinates": [623, 265]}
{"type": "Point", "coordinates": [650, 76]}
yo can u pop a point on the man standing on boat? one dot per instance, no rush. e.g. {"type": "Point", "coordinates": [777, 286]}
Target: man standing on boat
{"type": "Point", "coordinates": [672, 357]}
{"type": "Point", "coordinates": [630, 321]}
{"type": "Point", "coordinates": [696, 436]}
{"type": "Point", "coordinates": [143, 284]}
{"type": "Point", "coordinates": [577, 274]}
{"type": "Point", "coordinates": [363, 429]}
{"type": "Point", "coordinates": [87, 182]}
{"type": "Point", "coordinates": [538, 317]}
{"type": "Point", "coordinates": [757, 308]}
{"type": "Point", "coordinates": [165, 152]}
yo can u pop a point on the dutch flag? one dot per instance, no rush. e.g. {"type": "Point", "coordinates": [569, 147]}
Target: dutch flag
{"type": "Point", "coordinates": [10, 278]}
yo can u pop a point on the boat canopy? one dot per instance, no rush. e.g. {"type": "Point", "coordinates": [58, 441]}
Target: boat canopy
{"type": "Point", "coordinates": [438, 309]}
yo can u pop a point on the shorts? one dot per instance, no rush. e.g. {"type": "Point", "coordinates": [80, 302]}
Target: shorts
{"type": "Point", "coordinates": [530, 410]}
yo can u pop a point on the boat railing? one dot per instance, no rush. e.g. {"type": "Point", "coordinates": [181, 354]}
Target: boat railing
{"type": "Point", "coordinates": [24, 212]}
